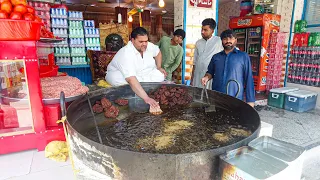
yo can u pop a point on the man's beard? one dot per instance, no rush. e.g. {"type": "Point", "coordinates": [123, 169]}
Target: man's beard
{"type": "Point", "coordinates": [205, 37]}
{"type": "Point", "coordinates": [228, 47]}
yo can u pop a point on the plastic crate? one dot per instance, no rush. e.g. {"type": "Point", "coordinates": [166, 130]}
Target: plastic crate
{"type": "Point", "coordinates": [276, 97]}
{"type": "Point", "coordinates": [81, 72]}
{"type": "Point", "coordinates": [300, 101]}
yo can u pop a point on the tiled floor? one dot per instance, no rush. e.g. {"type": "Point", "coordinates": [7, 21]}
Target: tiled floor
{"type": "Point", "coordinates": [32, 165]}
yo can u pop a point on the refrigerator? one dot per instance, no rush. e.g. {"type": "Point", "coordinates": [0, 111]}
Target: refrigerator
{"type": "Point", "coordinates": [253, 35]}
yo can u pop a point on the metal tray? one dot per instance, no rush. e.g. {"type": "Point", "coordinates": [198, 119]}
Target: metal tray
{"type": "Point", "coordinates": [57, 100]}
{"type": "Point", "coordinates": [284, 151]}
{"type": "Point", "coordinates": [51, 40]}
{"type": "Point", "coordinates": [255, 163]}
{"type": "Point", "coordinates": [9, 99]}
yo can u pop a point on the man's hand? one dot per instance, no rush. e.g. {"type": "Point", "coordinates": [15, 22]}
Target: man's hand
{"type": "Point", "coordinates": [251, 104]}
{"type": "Point", "coordinates": [163, 72]}
{"type": "Point", "coordinates": [204, 80]}
{"type": "Point", "coordinates": [153, 104]}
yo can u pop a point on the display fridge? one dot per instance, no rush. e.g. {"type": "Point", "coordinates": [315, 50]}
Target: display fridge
{"type": "Point", "coordinates": [253, 34]}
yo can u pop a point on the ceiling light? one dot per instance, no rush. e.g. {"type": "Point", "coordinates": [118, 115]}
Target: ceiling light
{"type": "Point", "coordinates": [119, 18]}
{"type": "Point", "coordinates": [161, 3]}
{"type": "Point", "coordinates": [92, 5]}
{"type": "Point", "coordinates": [164, 11]}
{"type": "Point", "coordinates": [130, 19]}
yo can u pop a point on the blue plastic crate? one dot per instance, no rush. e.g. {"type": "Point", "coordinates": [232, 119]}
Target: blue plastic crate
{"type": "Point", "coordinates": [81, 72]}
{"type": "Point", "coordinates": [300, 101]}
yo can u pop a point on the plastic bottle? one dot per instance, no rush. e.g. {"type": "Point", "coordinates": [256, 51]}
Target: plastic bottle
{"type": "Point", "coordinates": [317, 80]}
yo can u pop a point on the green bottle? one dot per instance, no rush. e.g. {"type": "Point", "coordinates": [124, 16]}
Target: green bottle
{"type": "Point", "coordinates": [297, 26]}
{"type": "Point", "coordinates": [310, 40]}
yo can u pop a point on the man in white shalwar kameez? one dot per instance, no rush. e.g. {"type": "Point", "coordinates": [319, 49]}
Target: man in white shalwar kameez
{"type": "Point", "coordinates": [206, 47]}
{"type": "Point", "coordinates": [139, 61]}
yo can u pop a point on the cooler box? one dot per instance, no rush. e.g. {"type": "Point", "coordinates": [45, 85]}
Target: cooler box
{"type": "Point", "coordinates": [277, 96]}
{"type": "Point", "coordinates": [291, 154]}
{"type": "Point", "coordinates": [300, 101]}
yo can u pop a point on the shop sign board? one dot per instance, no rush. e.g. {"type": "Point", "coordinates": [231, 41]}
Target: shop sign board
{"type": "Point", "coordinates": [201, 3]}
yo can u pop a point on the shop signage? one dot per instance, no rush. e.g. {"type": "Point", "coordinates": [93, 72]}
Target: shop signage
{"type": "Point", "coordinates": [201, 3]}
{"type": "Point", "coordinates": [244, 22]}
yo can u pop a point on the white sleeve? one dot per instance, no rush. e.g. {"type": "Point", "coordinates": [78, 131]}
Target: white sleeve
{"type": "Point", "coordinates": [153, 49]}
{"type": "Point", "coordinates": [195, 55]}
{"type": "Point", "coordinates": [125, 64]}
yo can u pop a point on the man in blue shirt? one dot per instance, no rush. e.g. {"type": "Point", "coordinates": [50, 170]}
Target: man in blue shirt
{"type": "Point", "coordinates": [231, 64]}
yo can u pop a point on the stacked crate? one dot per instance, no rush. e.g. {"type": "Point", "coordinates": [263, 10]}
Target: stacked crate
{"type": "Point", "coordinates": [276, 51]}
{"type": "Point", "coordinates": [42, 10]}
{"type": "Point", "coordinates": [76, 38]}
{"type": "Point", "coordinates": [59, 25]}
{"type": "Point", "coordinates": [92, 36]}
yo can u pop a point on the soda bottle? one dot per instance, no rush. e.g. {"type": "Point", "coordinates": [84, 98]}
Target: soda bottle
{"type": "Point", "coordinates": [316, 65]}
{"type": "Point", "coordinates": [309, 79]}
{"type": "Point", "coordinates": [310, 40]}
{"type": "Point", "coordinates": [303, 65]}
{"type": "Point", "coordinates": [297, 26]}
{"type": "Point", "coordinates": [317, 80]}
{"type": "Point", "coordinates": [312, 79]}
{"type": "Point", "coordinates": [316, 39]}
{"type": "Point", "coordinates": [304, 78]}
{"type": "Point", "coordinates": [303, 26]}
{"type": "Point", "coordinates": [308, 67]}
{"type": "Point", "coordinates": [293, 79]}
{"type": "Point", "coordinates": [304, 52]}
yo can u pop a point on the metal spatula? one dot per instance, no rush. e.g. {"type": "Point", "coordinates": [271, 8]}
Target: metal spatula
{"type": "Point", "coordinates": [208, 107]}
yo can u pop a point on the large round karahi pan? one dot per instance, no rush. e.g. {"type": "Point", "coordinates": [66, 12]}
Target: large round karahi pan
{"type": "Point", "coordinates": [98, 161]}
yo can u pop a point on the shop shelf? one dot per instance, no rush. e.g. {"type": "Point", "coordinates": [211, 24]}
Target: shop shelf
{"type": "Point", "coordinates": [60, 45]}
{"type": "Point", "coordinates": [77, 45]}
{"type": "Point", "coordinates": [78, 54]}
{"type": "Point", "coordinates": [75, 66]}
{"type": "Point", "coordinates": [62, 55]}
{"type": "Point", "coordinates": [92, 35]}
{"type": "Point", "coordinates": [76, 36]}
{"type": "Point", "coordinates": [60, 26]}
{"type": "Point", "coordinates": [62, 35]}
{"type": "Point", "coordinates": [81, 72]}
{"type": "Point", "coordinates": [75, 19]}
{"type": "Point", "coordinates": [46, 9]}
{"type": "Point", "coordinates": [59, 16]}
{"type": "Point", "coordinates": [92, 45]}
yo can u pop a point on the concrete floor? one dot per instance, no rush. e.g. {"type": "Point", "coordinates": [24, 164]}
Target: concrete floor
{"type": "Point", "coordinates": [302, 129]}
{"type": "Point", "coordinates": [297, 128]}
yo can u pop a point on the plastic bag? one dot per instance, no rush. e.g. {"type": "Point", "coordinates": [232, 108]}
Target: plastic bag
{"type": "Point", "coordinates": [57, 151]}
{"type": "Point", "coordinates": [103, 83]}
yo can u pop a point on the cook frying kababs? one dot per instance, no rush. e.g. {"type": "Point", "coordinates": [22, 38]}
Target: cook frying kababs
{"type": "Point", "coordinates": [138, 61]}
